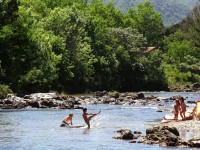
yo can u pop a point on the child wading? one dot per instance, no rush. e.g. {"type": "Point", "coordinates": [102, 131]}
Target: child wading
{"type": "Point", "coordinates": [88, 118]}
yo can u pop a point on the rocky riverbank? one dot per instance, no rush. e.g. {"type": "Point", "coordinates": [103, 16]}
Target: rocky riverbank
{"type": "Point", "coordinates": [55, 100]}
{"type": "Point", "coordinates": [162, 135]}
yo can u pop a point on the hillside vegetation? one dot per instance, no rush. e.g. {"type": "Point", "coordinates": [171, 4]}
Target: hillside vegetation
{"type": "Point", "coordinates": [172, 11]}
{"type": "Point", "coordinates": [74, 46]}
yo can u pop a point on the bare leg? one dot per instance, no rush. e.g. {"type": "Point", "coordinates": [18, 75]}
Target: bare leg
{"type": "Point", "coordinates": [88, 123]}
{"type": "Point", "coordinates": [89, 118]}
{"type": "Point", "coordinates": [184, 115]}
{"type": "Point", "coordinates": [181, 113]}
{"type": "Point", "coordinates": [176, 117]}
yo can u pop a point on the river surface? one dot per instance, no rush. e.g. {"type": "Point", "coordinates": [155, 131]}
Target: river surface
{"type": "Point", "coordinates": [38, 129]}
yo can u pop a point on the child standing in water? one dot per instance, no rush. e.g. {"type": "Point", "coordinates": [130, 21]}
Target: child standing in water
{"type": "Point", "coordinates": [176, 110]}
{"type": "Point", "coordinates": [182, 108]}
{"type": "Point", "coordinates": [86, 118]}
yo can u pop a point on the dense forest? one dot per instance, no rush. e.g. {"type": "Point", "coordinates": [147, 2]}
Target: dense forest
{"type": "Point", "coordinates": [73, 46]}
{"type": "Point", "coordinates": [172, 11]}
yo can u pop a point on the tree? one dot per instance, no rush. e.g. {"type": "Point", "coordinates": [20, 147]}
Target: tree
{"type": "Point", "coordinates": [147, 21]}
{"type": "Point", "coordinates": [191, 28]}
{"type": "Point", "coordinates": [180, 60]}
{"type": "Point", "coordinates": [8, 11]}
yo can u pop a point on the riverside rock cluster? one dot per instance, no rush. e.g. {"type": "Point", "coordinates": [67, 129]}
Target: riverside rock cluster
{"type": "Point", "coordinates": [160, 135]}
{"type": "Point", "coordinates": [55, 100]}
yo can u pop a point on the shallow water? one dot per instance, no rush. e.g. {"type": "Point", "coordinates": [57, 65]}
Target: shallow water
{"type": "Point", "coordinates": [39, 129]}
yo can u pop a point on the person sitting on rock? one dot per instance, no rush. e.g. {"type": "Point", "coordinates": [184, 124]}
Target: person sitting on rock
{"type": "Point", "coordinates": [182, 108]}
{"type": "Point", "coordinates": [176, 110]}
{"type": "Point", "coordinates": [86, 118]}
{"type": "Point", "coordinates": [67, 121]}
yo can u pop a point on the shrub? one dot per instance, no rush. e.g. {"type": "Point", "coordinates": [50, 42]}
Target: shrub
{"type": "Point", "coordinates": [4, 90]}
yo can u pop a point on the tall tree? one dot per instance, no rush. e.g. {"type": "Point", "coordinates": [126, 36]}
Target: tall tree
{"type": "Point", "coordinates": [191, 28]}
{"type": "Point", "coordinates": [8, 11]}
{"type": "Point", "coordinates": [147, 21]}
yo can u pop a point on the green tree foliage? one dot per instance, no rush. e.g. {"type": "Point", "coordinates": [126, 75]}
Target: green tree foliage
{"type": "Point", "coordinates": [75, 46]}
{"type": "Point", "coordinates": [11, 41]}
{"type": "Point", "coordinates": [1, 72]}
{"type": "Point", "coordinates": [178, 48]}
{"type": "Point", "coordinates": [147, 21]}
{"type": "Point", "coordinates": [127, 44]}
{"type": "Point", "coordinates": [191, 28]}
{"type": "Point", "coordinates": [172, 11]}
{"type": "Point", "coordinates": [181, 60]}
{"type": "Point", "coordinates": [153, 71]}
{"type": "Point", "coordinates": [4, 91]}
{"type": "Point", "coordinates": [8, 11]}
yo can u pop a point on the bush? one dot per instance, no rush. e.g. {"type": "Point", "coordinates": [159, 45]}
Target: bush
{"type": "Point", "coordinates": [4, 90]}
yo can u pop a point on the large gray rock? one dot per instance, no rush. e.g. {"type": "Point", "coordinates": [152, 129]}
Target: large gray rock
{"type": "Point", "coordinates": [34, 104]}
{"type": "Point", "coordinates": [140, 95]}
{"type": "Point", "coordinates": [125, 134]}
{"type": "Point", "coordinates": [194, 142]}
{"type": "Point", "coordinates": [165, 136]}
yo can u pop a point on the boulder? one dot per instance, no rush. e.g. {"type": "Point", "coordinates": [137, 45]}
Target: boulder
{"type": "Point", "coordinates": [34, 104]}
{"type": "Point", "coordinates": [115, 95]}
{"type": "Point", "coordinates": [194, 142]}
{"type": "Point", "coordinates": [137, 132]}
{"type": "Point", "coordinates": [173, 130]}
{"type": "Point", "coordinates": [125, 134]}
{"type": "Point", "coordinates": [27, 96]}
{"type": "Point", "coordinates": [8, 102]}
{"type": "Point", "coordinates": [20, 104]}
{"type": "Point", "coordinates": [164, 136]}
{"type": "Point", "coordinates": [47, 103]}
{"type": "Point", "coordinates": [140, 96]}
{"type": "Point", "coordinates": [152, 130]}
{"type": "Point", "coordinates": [196, 85]}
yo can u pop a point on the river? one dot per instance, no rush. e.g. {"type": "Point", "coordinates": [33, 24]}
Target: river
{"type": "Point", "coordinates": [38, 129]}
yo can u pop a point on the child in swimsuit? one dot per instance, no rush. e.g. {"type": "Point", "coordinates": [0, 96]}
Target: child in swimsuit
{"type": "Point", "coordinates": [176, 110]}
{"type": "Point", "coordinates": [86, 118]}
{"type": "Point", "coordinates": [182, 108]}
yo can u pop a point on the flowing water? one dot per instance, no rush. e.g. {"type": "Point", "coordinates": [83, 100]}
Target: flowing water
{"type": "Point", "coordinates": [38, 129]}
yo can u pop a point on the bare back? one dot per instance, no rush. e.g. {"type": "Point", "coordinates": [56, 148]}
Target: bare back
{"type": "Point", "coordinates": [176, 109]}
{"type": "Point", "coordinates": [183, 107]}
